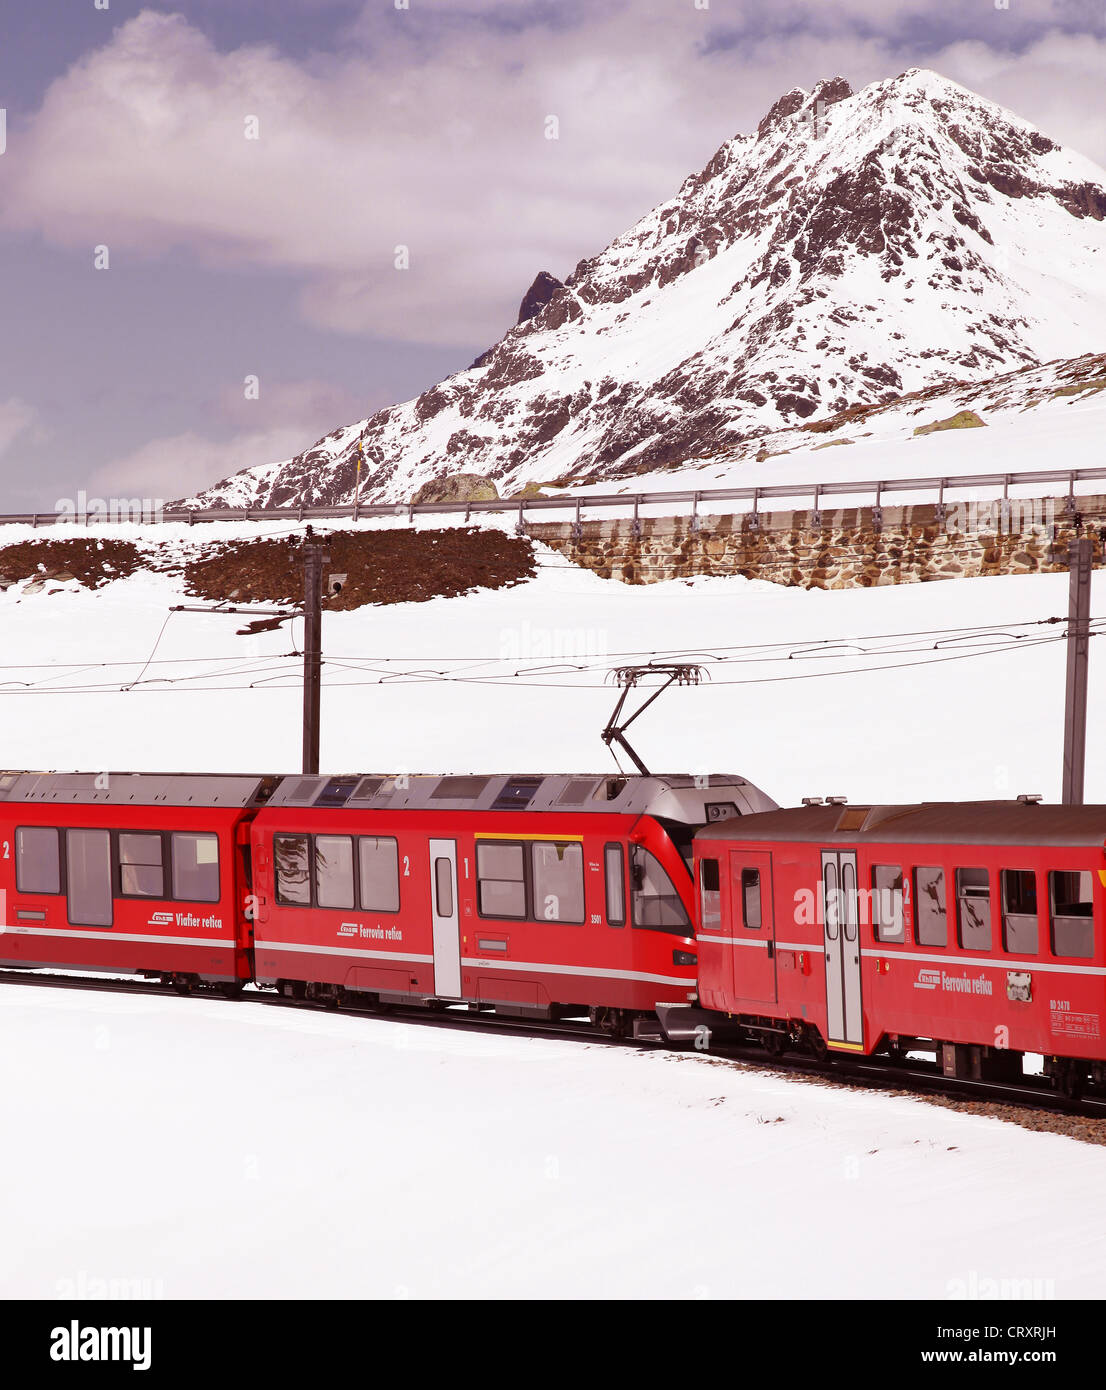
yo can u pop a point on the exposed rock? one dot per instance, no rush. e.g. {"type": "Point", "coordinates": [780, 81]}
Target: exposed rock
{"type": "Point", "coordinates": [962, 420]}
{"type": "Point", "coordinates": [539, 294]}
{"type": "Point", "coordinates": [1078, 388]}
{"type": "Point", "coordinates": [457, 487]}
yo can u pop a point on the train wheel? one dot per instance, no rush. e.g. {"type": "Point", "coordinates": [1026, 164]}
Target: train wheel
{"type": "Point", "coordinates": [183, 984]}
{"type": "Point", "coordinates": [1068, 1079]}
{"type": "Point", "coordinates": [775, 1044]}
{"type": "Point", "coordinates": [232, 989]}
{"type": "Point", "coordinates": [817, 1045]}
{"type": "Point", "coordinates": [611, 1022]}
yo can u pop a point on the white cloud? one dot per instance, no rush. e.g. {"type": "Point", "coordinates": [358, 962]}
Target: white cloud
{"type": "Point", "coordinates": [281, 420]}
{"type": "Point", "coordinates": [17, 418]}
{"type": "Point", "coordinates": [438, 143]}
{"type": "Point", "coordinates": [306, 405]}
{"type": "Point", "coordinates": [182, 464]}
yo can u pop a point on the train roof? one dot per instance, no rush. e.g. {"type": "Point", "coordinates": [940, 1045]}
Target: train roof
{"type": "Point", "coordinates": [681, 797]}
{"type": "Point", "coordinates": [930, 822]}
{"type": "Point", "coordinates": [136, 788]}
{"type": "Point", "coordinates": [677, 796]}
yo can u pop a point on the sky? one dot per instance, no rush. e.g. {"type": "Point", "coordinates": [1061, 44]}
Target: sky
{"type": "Point", "coordinates": [230, 226]}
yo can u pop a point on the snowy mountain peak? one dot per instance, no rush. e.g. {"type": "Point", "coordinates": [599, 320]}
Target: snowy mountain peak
{"type": "Point", "coordinates": [799, 102]}
{"type": "Point", "coordinates": [858, 246]}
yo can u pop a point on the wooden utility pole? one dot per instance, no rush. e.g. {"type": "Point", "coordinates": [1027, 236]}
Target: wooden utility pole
{"type": "Point", "coordinates": [1081, 565]}
{"type": "Point", "coordinates": [313, 559]}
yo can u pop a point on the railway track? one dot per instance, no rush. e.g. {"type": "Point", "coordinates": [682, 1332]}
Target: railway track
{"type": "Point", "coordinates": [452, 1017]}
{"type": "Point", "coordinates": [864, 1073]}
{"type": "Point", "coordinates": [882, 1075]}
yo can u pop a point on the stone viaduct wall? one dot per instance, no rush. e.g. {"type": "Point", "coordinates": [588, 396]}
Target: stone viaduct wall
{"type": "Point", "coordinates": [839, 549]}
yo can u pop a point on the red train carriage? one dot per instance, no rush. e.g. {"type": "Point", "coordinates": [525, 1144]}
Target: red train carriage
{"type": "Point", "coordinates": [535, 896]}
{"type": "Point", "coordinates": [976, 927]}
{"type": "Point", "coordinates": [127, 873]}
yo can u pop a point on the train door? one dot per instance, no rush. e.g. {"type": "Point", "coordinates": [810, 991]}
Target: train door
{"type": "Point", "coordinates": [754, 933]}
{"type": "Point", "coordinates": [844, 1016]}
{"type": "Point", "coordinates": [443, 906]}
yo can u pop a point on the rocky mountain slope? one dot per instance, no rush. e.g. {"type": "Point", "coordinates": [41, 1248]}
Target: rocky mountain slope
{"type": "Point", "coordinates": [854, 249]}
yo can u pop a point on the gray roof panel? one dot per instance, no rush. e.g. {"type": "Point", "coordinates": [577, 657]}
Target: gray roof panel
{"type": "Point", "coordinates": [134, 788]}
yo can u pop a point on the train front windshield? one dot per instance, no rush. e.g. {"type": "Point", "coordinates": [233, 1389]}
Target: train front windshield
{"type": "Point", "coordinates": [655, 904]}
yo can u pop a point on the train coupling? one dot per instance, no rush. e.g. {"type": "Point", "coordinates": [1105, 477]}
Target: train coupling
{"type": "Point", "coordinates": [687, 1023]}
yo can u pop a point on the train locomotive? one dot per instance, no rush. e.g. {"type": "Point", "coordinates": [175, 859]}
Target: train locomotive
{"type": "Point", "coordinates": [532, 896]}
{"type": "Point", "coordinates": [674, 908]}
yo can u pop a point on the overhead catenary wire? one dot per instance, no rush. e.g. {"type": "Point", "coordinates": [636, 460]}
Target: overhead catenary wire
{"type": "Point", "coordinates": [516, 680]}
{"type": "Point", "coordinates": [661, 653]}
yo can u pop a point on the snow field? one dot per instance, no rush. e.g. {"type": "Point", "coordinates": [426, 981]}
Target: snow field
{"type": "Point", "coordinates": [190, 1147]}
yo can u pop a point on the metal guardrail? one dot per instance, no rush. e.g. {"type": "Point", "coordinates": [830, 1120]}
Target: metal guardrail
{"type": "Point", "coordinates": [1067, 478]}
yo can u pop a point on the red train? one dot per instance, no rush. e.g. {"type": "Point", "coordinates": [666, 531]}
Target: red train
{"type": "Point", "coordinates": [530, 895]}
{"type": "Point", "coordinates": [975, 930]}
{"type": "Point", "coordinates": [689, 908]}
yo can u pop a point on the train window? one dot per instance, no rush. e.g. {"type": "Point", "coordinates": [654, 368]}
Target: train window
{"type": "Point", "coordinates": [292, 864]}
{"type": "Point", "coordinates": [379, 864]}
{"type": "Point", "coordinates": [501, 879]}
{"type": "Point", "coordinates": [1019, 911]}
{"type": "Point", "coordinates": [750, 898]}
{"type": "Point", "coordinates": [443, 887]}
{"type": "Point", "coordinates": [973, 909]}
{"type": "Point", "coordinates": [848, 897]}
{"type": "Point", "coordinates": [655, 904]}
{"type": "Point", "coordinates": [196, 867]}
{"type": "Point", "coordinates": [832, 897]}
{"type": "Point", "coordinates": [710, 895]}
{"type": "Point", "coordinates": [37, 859]}
{"type": "Point", "coordinates": [558, 880]}
{"type": "Point", "coordinates": [334, 870]}
{"type": "Point", "coordinates": [1071, 902]}
{"type": "Point", "coordinates": [88, 858]}
{"type": "Point", "coordinates": [141, 866]}
{"type": "Point", "coordinates": [930, 915]}
{"type": "Point", "coordinates": [614, 864]}
{"type": "Point", "coordinates": [887, 904]}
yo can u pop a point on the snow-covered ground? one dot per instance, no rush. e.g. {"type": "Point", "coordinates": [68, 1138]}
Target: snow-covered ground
{"type": "Point", "coordinates": [1057, 433]}
{"type": "Point", "coordinates": [981, 726]}
{"type": "Point", "coordinates": [197, 1147]}
{"type": "Point", "coordinates": [186, 1147]}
